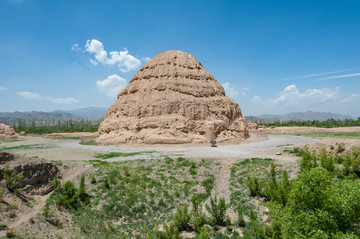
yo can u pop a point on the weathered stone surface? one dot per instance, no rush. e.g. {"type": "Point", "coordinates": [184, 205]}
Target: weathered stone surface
{"type": "Point", "coordinates": [7, 132]}
{"type": "Point", "coordinates": [172, 100]}
{"type": "Point", "coordinates": [6, 157]}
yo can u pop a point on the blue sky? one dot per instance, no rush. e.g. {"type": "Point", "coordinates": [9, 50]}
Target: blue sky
{"type": "Point", "coordinates": [270, 56]}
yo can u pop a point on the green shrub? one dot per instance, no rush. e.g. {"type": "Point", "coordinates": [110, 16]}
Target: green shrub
{"type": "Point", "coordinates": [2, 192]}
{"type": "Point", "coordinates": [106, 183]}
{"type": "Point", "coordinates": [181, 218]}
{"type": "Point", "coordinates": [12, 180]}
{"type": "Point", "coordinates": [56, 183]}
{"type": "Point", "coordinates": [204, 234]}
{"type": "Point", "coordinates": [295, 151]}
{"type": "Point", "coordinates": [10, 234]}
{"type": "Point", "coordinates": [254, 186]}
{"type": "Point", "coordinates": [228, 222]}
{"type": "Point", "coordinates": [93, 180]}
{"type": "Point", "coordinates": [217, 210]}
{"type": "Point", "coordinates": [68, 197]}
{"type": "Point", "coordinates": [308, 160]}
{"type": "Point", "coordinates": [340, 148]}
{"type": "Point", "coordinates": [240, 221]}
{"type": "Point", "coordinates": [82, 194]}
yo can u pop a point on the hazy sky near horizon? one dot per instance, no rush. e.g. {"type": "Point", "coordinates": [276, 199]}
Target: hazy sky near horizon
{"type": "Point", "coordinates": [272, 57]}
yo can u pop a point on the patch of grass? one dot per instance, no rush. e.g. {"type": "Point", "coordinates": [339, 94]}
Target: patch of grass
{"type": "Point", "coordinates": [282, 145]}
{"type": "Point", "coordinates": [11, 206]}
{"type": "Point", "coordinates": [24, 147]}
{"type": "Point", "coordinates": [10, 234]}
{"type": "Point", "coordinates": [240, 173]}
{"type": "Point", "coordinates": [67, 138]}
{"type": "Point", "coordinates": [3, 226]}
{"type": "Point", "coordinates": [91, 143]}
{"type": "Point", "coordinates": [9, 140]}
{"type": "Point", "coordinates": [129, 197]}
{"type": "Point", "coordinates": [57, 162]}
{"type": "Point", "coordinates": [119, 154]}
{"type": "Point", "coordinates": [295, 151]}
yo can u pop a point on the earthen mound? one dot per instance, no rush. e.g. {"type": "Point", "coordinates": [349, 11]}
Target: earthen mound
{"type": "Point", "coordinates": [7, 132]}
{"type": "Point", "coordinates": [37, 175]}
{"type": "Point", "coordinates": [172, 100]}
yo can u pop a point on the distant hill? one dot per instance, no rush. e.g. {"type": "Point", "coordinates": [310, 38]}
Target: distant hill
{"type": "Point", "coordinates": [89, 113]}
{"type": "Point", "coordinates": [36, 116]}
{"type": "Point", "coordinates": [306, 116]}
{"type": "Point", "coordinates": [258, 120]}
{"type": "Point", "coordinates": [40, 118]}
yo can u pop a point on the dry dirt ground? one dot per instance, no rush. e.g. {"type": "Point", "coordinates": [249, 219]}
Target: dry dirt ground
{"type": "Point", "coordinates": [71, 159]}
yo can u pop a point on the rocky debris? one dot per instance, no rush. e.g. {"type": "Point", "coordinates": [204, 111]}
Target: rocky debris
{"type": "Point", "coordinates": [6, 157]}
{"type": "Point", "coordinates": [22, 133]}
{"type": "Point", "coordinates": [253, 126]}
{"type": "Point", "coordinates": [37, 174]}
{"type": "Point", "coordinates": [7, 132]}
{"type": "Point", "coordinates": [74, 134]}
{"type": "Point", "coordinates": [172, 100]}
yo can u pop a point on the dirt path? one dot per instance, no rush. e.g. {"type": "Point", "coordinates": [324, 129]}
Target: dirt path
{"type": "Point", "coordinates": [221, 173]}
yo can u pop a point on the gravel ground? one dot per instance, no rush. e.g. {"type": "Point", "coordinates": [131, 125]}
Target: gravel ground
{"type": "Point", "coordinates": [226, 151]}
{"type": "Point", "coordinates": [67, 149]}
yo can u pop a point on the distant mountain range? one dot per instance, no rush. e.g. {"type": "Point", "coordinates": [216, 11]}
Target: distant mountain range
{"type": "Point", "coordinates": [297, 116]}
{"type": "Point", "coordinates": [90, 113]}
{"type": "Point", "coordinates": [96, 113]}
{"type": "Point", "coordinates": [39, 117]}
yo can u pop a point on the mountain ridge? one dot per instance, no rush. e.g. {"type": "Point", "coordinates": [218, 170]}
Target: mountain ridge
{"type": "Point", "coordinates": [301, 116]}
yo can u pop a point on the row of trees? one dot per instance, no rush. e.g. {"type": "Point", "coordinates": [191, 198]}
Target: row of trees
{"type": "Point", "coordinates": [45, 127]}
{"type": "Point", "coordinates": [330, 123]}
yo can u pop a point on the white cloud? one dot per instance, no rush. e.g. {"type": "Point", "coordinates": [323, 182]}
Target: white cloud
{"type": "Point", "coordinates": [75, 47]}
{"type": "Point", "coordinates": [112, 85]}
{"type": "Point", "coordinates": [350, 98]}
{"type": "Point", "coordinates": [30, 95]}
{"type": "Point", "coordinates": [230, 90]}
{"type": "Point", "coordinates": [3, 88]}
{"type": "Point", "coordinates": [122, 59]}
{"type": "Point", "coordinates": [145, 59]}
{"type": "Point", "coordinates": [63, 101]}
{"type": "Point", "coordinates": [35, 96]}
{"type": "Point", "coordinates": [244, 91]}
{"type": "Point", "coordinates": [317, 74]}
{"type": "Point", "coordinates": [256, 99]}
{"type": "Point", "coordinates": [95, 63]}
{"type": "Point", "coordinates": [291, 95]}
{"type": "Point", "coordinates": [340, 76]}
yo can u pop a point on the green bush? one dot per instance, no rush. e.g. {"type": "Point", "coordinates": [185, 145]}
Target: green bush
{"type": "Point", "coordinates": [340, 148]}
{"type": "Point", "coordinates": [240, 221]}
{"type": "Point", "coordinates": [82, 194]}
{"type": "Point", "coordinates": [254, 186]}
{"type": "Point", "coordinates": [308, 160]}
{"type": "Point", "coordinates": [12, 180]}
{"type": "Point", "coordinates": [217, 210]}
{"type": "Point", "coordinates": [318, 206]}
{"type": "Point", "coordinates": [181, 218]}
{"type": "Point", "coordinates": [68, 197]}
{"type": "Point", "coordinates": [10, 234]}
{"type": "Point", "coordinates": [93, 180]}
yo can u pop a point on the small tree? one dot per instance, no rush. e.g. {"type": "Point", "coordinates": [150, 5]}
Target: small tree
{"type": "Point", "coordinates": [217, 211]}
{"type": "Point", "coordinates": [82, 194]}
{"type": "Point", "coordinates": [240, 222]}
{"type": "Point", "coordinates": [12, 180]}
